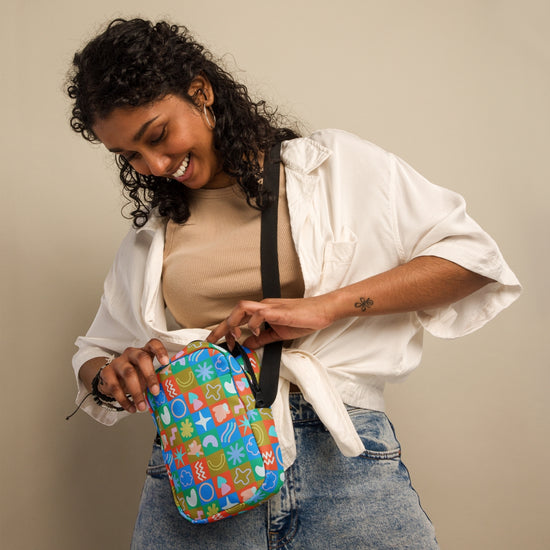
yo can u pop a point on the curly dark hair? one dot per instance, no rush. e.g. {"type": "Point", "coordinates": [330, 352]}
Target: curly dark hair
{"type": "Point", "coordinates": [135, 62]}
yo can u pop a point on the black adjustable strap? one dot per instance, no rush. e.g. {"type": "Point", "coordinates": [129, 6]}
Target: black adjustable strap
{"type": "Point", "coordinates": [271, 361]}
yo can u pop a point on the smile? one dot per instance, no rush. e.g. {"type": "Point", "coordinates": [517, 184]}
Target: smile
{"type": "Point", "coordinates": [183, 167]}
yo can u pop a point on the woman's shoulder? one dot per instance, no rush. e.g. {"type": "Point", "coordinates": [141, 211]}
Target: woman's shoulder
{"type": "Point", "coordinates": [338, 145]}
{"type": "Point", "coordinates": [138, 240]}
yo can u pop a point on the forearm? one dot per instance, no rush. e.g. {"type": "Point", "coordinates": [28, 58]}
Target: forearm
{"type": "Point", "coordinates": [423, 283]}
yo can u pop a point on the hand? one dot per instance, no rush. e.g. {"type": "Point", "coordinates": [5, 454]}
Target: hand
{"type": "Point", "coordinates": [132, 373]}
{"type": "Point", "coordinates": [288, 319]}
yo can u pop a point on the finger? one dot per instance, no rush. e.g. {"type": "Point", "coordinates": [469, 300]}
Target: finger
{"type": "Point", "coordinates": [131, 381]}
{"type": "Point", "coordinates": [227, 329]}
{"type": "Point", "coordinates": [257, 320]}
{"type": "Point", "coordinates": [274, 313]}
{"type": "Point", "coordinates": [251, 313]}
{"type": "Point", "coordinates": [123, 401]}
{"type": "Point", "coordinates": [212, 338]}
{"type": "Point", "coordinates": [132, 370]}
{"type": "Point", "coordinates": [241, 314]}
{"type": "Point", "coordinates": [147, 369]}
{"type": "Point", "coordinates": [156, 348]}
{"type": "Point", "coordinates": [230, 341]}
{"type": "Point", "coordinates": [263, 338]}
{"type": "Point", "coordinates": [218, 333]}
{"type": "Point", "coordinates": [111, 387]}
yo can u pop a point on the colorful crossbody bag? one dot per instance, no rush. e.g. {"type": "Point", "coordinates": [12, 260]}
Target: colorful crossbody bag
{"type": "Point", "coordinates": [221, 451]}
{"type": "Point", "coordinates": [219, 442]}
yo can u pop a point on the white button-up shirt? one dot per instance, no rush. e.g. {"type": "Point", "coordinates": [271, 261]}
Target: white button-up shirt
{"type": "Point", "coordinates": [355, 211]}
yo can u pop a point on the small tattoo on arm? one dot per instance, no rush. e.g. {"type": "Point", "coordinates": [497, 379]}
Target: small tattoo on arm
{"type": "Point", "coordinates": [364, 304]}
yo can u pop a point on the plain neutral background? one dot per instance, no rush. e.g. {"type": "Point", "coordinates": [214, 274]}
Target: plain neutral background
{"type": "Point", "coordinates": [461, 90]}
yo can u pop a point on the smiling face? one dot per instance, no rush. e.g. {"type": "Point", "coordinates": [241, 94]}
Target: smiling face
{"type": "Point", "coordinates": [168, 138]}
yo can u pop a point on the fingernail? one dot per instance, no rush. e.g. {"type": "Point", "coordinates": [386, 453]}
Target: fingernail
{"type": "Point", "coordinates": [142, 406]}
{"type": "Point", "coordinates": [132, 409]}
{"type": "Point", "coordinates": [155, 389]}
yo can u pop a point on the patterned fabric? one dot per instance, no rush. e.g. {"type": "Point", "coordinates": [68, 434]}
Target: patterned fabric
{"type": "Point", "coordinates": [221, 452]}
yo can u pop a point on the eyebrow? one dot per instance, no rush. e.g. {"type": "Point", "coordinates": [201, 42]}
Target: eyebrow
{"type": "Point", "coordinates": [139, 133]}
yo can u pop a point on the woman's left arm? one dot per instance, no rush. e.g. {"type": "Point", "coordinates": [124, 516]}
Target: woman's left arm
{"type": "Point", "coordinates": [425, 282]}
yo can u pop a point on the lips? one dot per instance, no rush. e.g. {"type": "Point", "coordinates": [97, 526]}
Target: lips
{"type": "Point", "coordinates": [180, 172]}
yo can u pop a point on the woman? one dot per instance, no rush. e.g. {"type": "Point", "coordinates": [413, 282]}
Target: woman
{"type": "Point", "coordinates": [370, 254]}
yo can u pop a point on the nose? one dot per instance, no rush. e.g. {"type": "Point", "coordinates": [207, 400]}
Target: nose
{"type": "Point", "coordinates": [157, 163]}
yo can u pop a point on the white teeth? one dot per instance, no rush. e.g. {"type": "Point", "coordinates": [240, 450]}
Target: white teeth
{"type": "Point", "coordinates": [182, 168]}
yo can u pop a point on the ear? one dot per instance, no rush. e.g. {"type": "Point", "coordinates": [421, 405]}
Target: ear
{"type": "Point", "coordinates": [200, 91]}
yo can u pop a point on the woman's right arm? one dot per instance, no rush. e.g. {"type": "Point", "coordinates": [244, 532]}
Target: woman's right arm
{"type": "Point", "coordinates": [129, 374]}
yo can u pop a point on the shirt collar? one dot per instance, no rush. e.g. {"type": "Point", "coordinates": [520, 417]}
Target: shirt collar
{"type": "Point", "coordinates": [303, 154]}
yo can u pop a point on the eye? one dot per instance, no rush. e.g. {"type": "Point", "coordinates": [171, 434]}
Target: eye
{"type": "Point", "coordinates": [160, 137]}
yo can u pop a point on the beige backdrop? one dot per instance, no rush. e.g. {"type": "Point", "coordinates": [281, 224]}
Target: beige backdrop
{"type": "Point", "coordinates": [459, 89]}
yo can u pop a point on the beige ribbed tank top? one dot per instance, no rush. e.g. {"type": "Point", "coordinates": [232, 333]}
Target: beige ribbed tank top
{"type": "Point", "coordinates": [213, 260]}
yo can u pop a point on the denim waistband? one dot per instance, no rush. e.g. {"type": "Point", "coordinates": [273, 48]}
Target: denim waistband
{"type": "Point", "coordinates": [300, 409]}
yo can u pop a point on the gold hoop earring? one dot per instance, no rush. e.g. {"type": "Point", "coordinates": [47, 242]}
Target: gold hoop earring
{"type": "Point", "coordinates": [209, 116]}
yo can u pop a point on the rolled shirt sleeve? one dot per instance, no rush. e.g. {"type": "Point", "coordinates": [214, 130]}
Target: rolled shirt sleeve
{"type": "Point", "coordinates": [432, 221]}
{"type": "Point", "coordinates": [106, 337]}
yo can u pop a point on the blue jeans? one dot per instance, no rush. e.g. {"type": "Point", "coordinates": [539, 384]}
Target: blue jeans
{"type": "Point", "coordinates": [328, 501]}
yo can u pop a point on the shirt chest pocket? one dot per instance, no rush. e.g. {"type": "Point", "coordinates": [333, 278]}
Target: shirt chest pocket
{"type": "Point", "coordinates": [337, 258]}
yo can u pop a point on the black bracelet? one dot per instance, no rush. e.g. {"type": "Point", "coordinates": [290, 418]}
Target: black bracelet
{"type": "Point", "coordinates": [99, 397]}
